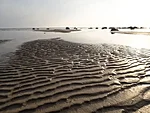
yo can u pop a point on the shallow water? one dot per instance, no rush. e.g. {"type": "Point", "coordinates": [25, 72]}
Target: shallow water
{"type": "Point", "coordinates": [85, 36]}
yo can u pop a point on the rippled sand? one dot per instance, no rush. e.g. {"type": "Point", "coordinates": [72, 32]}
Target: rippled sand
{"type": "Point", "coordinates": [59, 76]}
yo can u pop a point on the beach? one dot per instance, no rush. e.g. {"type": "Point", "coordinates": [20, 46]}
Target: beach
{"type": "Point", "coordinates": [55, 75]}
{"type": "Point", "coordinates": [74, 56]}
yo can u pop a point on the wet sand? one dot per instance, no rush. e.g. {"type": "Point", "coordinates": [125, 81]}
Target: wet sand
{"type": "Point", "coordinates": [59, 30]}
{"type": "Point", "coordinates": [59, 76]}
{"type": "Point", "coordinates": [132, 32]}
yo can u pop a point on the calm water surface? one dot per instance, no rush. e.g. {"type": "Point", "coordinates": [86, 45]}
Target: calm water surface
{"type": "Point", "coordinates": [85, 36]}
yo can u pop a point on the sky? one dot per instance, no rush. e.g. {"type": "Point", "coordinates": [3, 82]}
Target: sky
{"type": "Point", "coordinates": [43, 13]}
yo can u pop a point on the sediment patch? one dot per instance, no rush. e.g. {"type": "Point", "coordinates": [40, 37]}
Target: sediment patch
{"type": "Point", "coordinates": [3, 41]}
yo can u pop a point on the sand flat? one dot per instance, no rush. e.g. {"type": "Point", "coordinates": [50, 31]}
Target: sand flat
{"type": "Point", "coordinates": [59, 76]}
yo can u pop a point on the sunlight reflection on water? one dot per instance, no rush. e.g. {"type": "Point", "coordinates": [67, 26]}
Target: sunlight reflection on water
{"type": "Point", "coordinates": [85, 36]}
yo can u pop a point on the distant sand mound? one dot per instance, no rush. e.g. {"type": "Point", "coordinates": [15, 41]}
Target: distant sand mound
{"type": "Point", "coordinates": [3, 41]}
{"type": "Point", "coordinates": [59, 76]}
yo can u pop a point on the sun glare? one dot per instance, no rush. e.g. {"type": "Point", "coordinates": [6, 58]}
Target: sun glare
{"type": "Point", "coordinates": [140, 41]}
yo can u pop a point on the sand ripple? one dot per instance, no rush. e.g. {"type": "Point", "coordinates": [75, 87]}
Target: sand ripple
{"type": "Point", "coordinates": [59, 76]}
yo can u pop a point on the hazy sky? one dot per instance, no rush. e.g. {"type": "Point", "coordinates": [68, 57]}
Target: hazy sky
{"type": "Point", "coordinates": [42, 13]}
